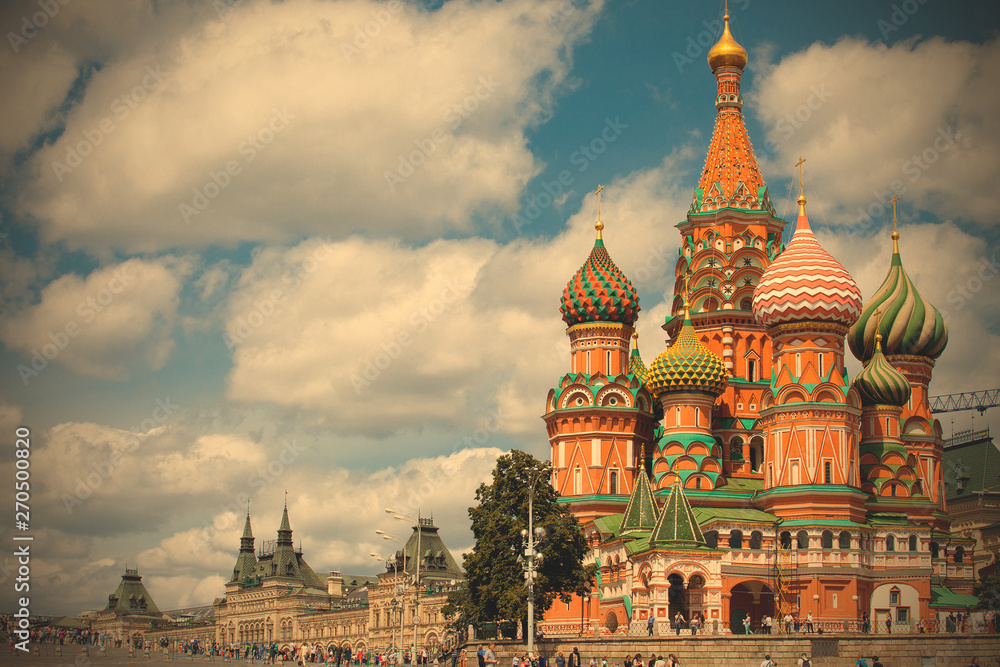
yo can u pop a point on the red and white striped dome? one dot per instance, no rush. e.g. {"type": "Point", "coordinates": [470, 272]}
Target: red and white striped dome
{"type": "Point", "coordinates": [805, 283]}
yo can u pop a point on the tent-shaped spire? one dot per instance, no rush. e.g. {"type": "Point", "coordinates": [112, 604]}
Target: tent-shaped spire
{"type": "Point", "coordinates": [677, 525]}
{"type": "Point", "coordinates": [640, 513]}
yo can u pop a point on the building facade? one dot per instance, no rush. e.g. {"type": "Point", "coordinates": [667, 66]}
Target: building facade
{"type": "Point", "coordinates": [275, 596]}
{"type": "Point", "coordinates": [743, 474]}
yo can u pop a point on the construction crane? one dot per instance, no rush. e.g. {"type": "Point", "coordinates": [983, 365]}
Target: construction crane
{"type": "Point", "coordinates": [969, 400]}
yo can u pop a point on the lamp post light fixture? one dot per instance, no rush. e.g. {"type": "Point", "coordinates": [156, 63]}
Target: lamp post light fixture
{"type": "Point", "coordinates": [390, 560]}
{"type": "Point", "coordinates": [416, 577]}
{"type": "Point", "coordinates": [532, 558]}
{"type": "Point", "coordinates": [857, 609]}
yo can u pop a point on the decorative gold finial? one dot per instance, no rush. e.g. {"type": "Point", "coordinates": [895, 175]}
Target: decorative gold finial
{"type": "Point", "coordinates": [895, 233]}
{"type": "Point", "coordinates": [599, 226]}
{"type": "Point", "coordinates": [802, 191]}
{"type": "Point", "coordinates": [635, 337]}
{"type": "Point", "coordinates": [687, 293]}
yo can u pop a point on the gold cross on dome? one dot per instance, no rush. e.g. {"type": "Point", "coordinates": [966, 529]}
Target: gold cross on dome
{"type": "Point", "coordinates": [799, 165]}
{"type": "Point", "coordinates": [893, 202]}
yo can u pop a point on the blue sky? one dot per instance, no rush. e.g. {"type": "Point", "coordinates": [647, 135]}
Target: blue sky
{"type": "Point", "coordinates": [288, 246]}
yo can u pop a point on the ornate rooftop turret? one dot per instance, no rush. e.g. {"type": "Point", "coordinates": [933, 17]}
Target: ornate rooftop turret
{"type": "Point", "coordinates": [910, 325]}
{"type": "Point", "coordinates": [635, 364]}
{"type": "Point", "coordinates": [731, 177]}
{"type": "Point", "coordinates": [677, 525]}
{"type": "Point", "coordinates": [805, 283]}
{"type": "Point", "coordinates": [881, 384]}
{"type": "Point", "coordinates": [599, 292]}
{"type": "Point", "coordinates": [687, 365]}
{"type": "Point", "coordinates": [641, 513]}
{"type": "Point", "coordinates": [246, 561]}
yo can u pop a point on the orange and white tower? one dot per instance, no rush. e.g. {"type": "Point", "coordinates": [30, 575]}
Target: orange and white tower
{"type": "Point", "coordinates": [600, 415]}
{"type": "Point", "coordinates": [811, 418]}
{"type": "Point", "coordinates": [730, 236]}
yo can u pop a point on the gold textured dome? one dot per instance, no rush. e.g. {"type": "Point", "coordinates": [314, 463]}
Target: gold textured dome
{"type": "Point", "coordinates": [727, 52]}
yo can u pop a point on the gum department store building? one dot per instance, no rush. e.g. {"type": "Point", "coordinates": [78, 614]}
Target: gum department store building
{"type": "Point", "coordinates": [742, 472]}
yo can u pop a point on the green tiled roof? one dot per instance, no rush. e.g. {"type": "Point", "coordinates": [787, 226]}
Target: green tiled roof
{"type": "Point", "coordinates": [705, 515]}
{"type": "Point", "coordinates": [742, 484]}
{"type": "Point", "coordinates": [641, 512]}
{"type": "Point", "coordinates": [945, 597]}
{"type": "Point", "coordinates": [677, 525]}
{"type": "Point", "coordinates": [887, 519]}
{"type": "Point", "coordinates": [609, 525]}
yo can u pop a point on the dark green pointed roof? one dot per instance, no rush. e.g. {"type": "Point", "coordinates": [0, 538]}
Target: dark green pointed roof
{"type": "Point", "coordinates": [246, 561]}
{"type": "Point", "coordinates": [641, 513]}
{"type": "Point", "coordinates": [677, 525]}
{"type": "Point", "coordinates": [436, 561]}
{"type": "Point", "coordinates": [131, 597]}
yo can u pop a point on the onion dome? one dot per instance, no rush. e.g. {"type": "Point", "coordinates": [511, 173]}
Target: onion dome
{"type": "Point", "coordinates": [636, 366]}
{"type": "Point", "coordinates": [727, 52]}
{"type": "Point", "coordinates": [805, 283]}
{"type": "Point", "coordinates": [599, 292]}
{"type": "Point", "coordinates": [881, 384]}
{"type": "Point", "coordinates": [687, 365]}
{"type": "Point", "coordinates": [910, 324]}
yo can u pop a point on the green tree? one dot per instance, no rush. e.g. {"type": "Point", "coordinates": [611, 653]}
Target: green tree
{"type": "Point", "coordinates": [495, 588]}
{"type": "Point", "coordinates": [988, 590]}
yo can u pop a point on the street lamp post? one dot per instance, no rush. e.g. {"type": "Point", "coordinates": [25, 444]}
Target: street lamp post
{"type": "Point", "coordinates": [532, 558]}
{"type": "Point", "coordinates": [391, 560]}
{"type": "Point", "coordinates": [416, 577]}
{"type": "Point", "coordinates": [394, 538]}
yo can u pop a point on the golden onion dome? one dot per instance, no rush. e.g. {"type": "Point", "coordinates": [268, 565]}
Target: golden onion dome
{"type": "Point", "coordinates": [727, 52]}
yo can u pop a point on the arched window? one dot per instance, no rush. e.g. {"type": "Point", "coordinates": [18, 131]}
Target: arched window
{"type": "Point", "coordinates": [613, 482]}
{"type": "Point", "coordinates": [913, 542]}
{"type": "Point", "coordinates": [756, 539]}
{"type": "Point", "coordinates": [827, 539]}
{"type": "Point", "coordinates": [845, 540]}
{"type": "Point", "coordinates": [821, 365]}
{"type": "Point", "coordinates": [608, 359]}
{"type": "Point", "coordinates": [934, 549]}
{"type": "Point", "coordinates": [736, 539]}
{"type": "Point", "coordinates": [803, 539]}
{"type": "Point", "coordinates": [751, 368]}
{"type": "Point", "coordinates": [697, 482]}
{"type": "Point", "coordinates": [959, 554]}
{"type": "Point", "coordinates": [828, 473]}
{"type": "Point", "coordinates": [890, 543]}
{"type": "Point", "coordinates": [577, 481]}
{"type": "Point", "coordinates": [786, 540]}
{"type": "Point", "coordinates": [712, 539]}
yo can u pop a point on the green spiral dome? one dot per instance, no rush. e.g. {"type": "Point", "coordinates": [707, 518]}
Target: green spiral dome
{"type": "Point", "coordinates": [881, 384]}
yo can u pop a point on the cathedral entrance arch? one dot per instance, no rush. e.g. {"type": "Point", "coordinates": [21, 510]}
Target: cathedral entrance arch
{"type": "Point", "coordinates": [749, 598]}
{"type": "Point", "coordinates": [676, 597]}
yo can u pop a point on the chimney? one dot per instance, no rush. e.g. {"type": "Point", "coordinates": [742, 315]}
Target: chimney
{"type": "Point", "coordinates": [335, 585]}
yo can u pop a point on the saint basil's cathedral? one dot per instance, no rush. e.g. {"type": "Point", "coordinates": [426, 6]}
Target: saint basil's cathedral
{"type": "Point", "coordinates": [742, 473]}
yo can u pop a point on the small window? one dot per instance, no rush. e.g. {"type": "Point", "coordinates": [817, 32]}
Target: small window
{"type": "Point", "coordinates": [934, 549]}
{"type": "Point", "coordinates": [798, 365]}
{"type": "Point", "coordinates": [736, 539]}
{"type": "Point", "coordinates": [892, 489]}
{"type": "Point", "coordinates": [827, 539]}
{"type": "Point", "coordinates": [959, 554]}
{"type": "Point", "coordinates": [613, 483]}
{"type": "Point", "coordinates": [786, 540]}
{"type": "Point", "coordinates": [894, 595]}
{"type": "Point", "coordinates": [821, 365]}
{"type": "Point", "coordinates": [751, 367]}
{"type": "Point", "coordinates": [913, 542]}
{"type": "Point", "coordinates": [697, 482]}
{"type": "Point", "coordinates": [845, 540]}
{"type": "Point", "coordinates": [902, 614]}
{"type": "Point", "coordinates": [890, 543]}
{"type": "Point", "coordinates": [756, 539]}
{"type": "Point", "coordinates": [827, 472]}
{"type": "Point", "coordinates": [803, 539]}
{"type": "Point", "coordinates": [608, 359]}
{"type": "Point", "coordinates": [712, 539]}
